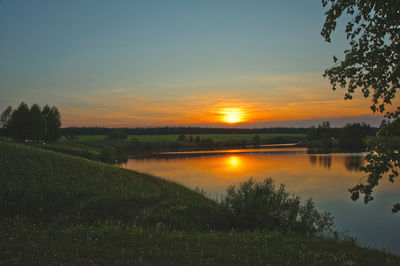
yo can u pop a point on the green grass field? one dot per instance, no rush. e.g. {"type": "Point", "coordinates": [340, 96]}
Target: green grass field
{"type": "Point", "coordinates": [90, 146]}
{"type": "Point", "coordinates": [59, 209]}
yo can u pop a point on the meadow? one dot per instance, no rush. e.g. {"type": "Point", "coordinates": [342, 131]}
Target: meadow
{"type": "Point", "coordinates": [61, 209]}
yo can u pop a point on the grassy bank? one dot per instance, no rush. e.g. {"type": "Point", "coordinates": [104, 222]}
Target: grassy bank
{"type": "Point", "coordinates": [59, 209]}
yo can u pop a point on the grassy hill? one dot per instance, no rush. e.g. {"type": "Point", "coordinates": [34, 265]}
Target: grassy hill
{"type": "Point", "coordinates": [59, 209]}
{"type": "Point", "coordinates": [47, 187]}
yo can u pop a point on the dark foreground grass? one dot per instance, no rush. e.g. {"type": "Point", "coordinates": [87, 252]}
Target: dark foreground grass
{"type": "Point", "coordinates": [113, 244]}
{"type": "Point", "coordinates": [58, 209]}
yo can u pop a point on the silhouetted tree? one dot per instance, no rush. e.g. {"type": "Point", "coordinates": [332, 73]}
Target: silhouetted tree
{"type": "Point", "coordinates": [36, 123]}
{"type": "Point", "coordinates": [352, 136]}
{"type": "Point", "coordinates": [323, 131]}
{"type": "Point", "coordinates": [52, 123]}
{"type": "Point", "coordinates": [19, 124]}
{"type": "Point", "coordinates": [372, 65]}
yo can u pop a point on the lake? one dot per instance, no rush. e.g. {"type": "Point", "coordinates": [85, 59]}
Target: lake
{"type": "Point", "coordinates": [323, 177]}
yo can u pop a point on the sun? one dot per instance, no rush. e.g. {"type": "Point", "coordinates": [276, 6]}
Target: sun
{"type": "Point", "coordinates": [232, 115]}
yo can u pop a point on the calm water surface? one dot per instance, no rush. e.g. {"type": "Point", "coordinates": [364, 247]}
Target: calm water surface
{"type": "Point", "coordinates": [323, 177]}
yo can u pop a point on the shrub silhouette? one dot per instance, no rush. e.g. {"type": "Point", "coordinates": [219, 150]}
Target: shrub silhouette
{"type": "Point", "coordinates": [262, 206]}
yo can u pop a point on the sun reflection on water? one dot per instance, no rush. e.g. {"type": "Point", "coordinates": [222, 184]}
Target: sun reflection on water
{"type": "Point", "coordinates": [233, 162]}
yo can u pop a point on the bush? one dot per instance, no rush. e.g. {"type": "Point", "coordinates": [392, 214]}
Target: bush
{"type": "Point", "coordinates": [113, 155]}
{"type": "Point", "coordinates": [262, 206]}
{"type": "Point", "coordinates": [107, 155]}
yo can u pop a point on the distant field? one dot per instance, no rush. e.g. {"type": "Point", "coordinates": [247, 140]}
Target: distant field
{"type": "Point", "coordinates": [91, 146]}
{"type": "Point", "coordinates": [214, 137]}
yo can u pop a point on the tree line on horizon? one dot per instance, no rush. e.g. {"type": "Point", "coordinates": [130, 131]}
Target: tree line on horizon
{"type": "Point", "coordinates": [184, 130]}
{"type": "Point", "coordinates": [350, 137]}
{"type": "Point", "coordinates": [31, 124]}
{"type": "Point", "coordinates": [181, 130]}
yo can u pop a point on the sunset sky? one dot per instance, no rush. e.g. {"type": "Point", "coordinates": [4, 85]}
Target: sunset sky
{"type": "Point", "coordinates": [167, 63]}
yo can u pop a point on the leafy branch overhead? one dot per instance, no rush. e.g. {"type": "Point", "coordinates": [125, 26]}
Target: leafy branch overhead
{"type": "Point", "coordinates": [372, 62]}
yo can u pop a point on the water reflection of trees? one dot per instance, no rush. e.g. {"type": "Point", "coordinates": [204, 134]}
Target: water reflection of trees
{"type": "Point", "coordinates": [323, 160]}
{"type": "Point", "coordinates": [353, 163]}
{"type": "Point", "coordinates": [313, 159]}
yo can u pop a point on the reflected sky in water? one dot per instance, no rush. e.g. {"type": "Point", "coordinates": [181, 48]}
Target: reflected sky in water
{"type": "Point", "coordinates": [324, 177]}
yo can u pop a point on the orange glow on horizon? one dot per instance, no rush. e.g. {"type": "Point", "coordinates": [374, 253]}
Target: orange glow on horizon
{"type": "Point", "coordinates": [232, 115]}
{"type": "Point", "coordinates": [100, 110]}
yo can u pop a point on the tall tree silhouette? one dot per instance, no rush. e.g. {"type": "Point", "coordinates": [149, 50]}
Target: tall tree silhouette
{"type": "Point", "coordinates": [33, 124]}
{"type": "Point", "coordinates": [19, 125]}
{"type": "Point", "coordinates": [37, 123]}
{"type": "Point", "coordinates": [52, 123]}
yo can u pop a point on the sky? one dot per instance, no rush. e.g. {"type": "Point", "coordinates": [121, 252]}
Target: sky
{"type": "Point", "coordinates": [173, 63]}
